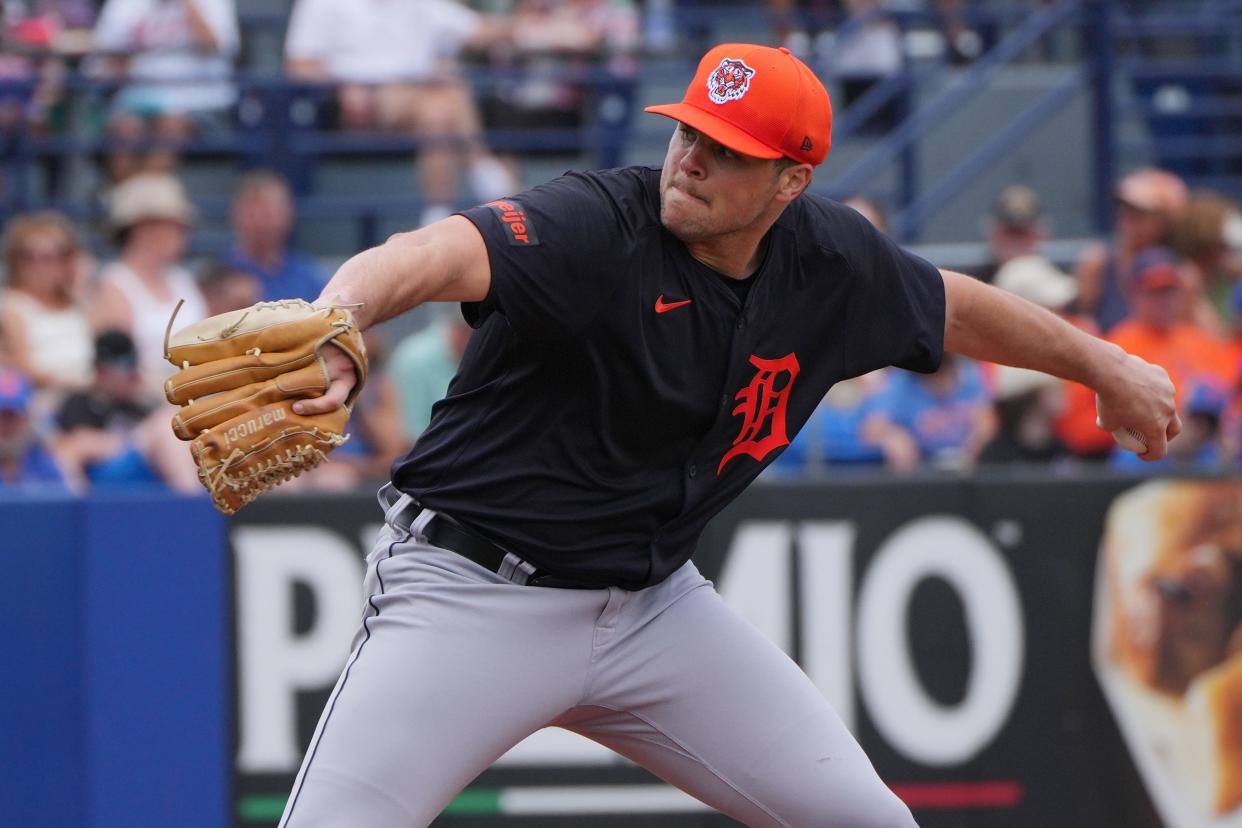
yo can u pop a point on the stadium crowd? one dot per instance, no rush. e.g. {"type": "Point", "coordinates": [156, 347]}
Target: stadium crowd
{"type": "Point", "coordinates": [82, 324]}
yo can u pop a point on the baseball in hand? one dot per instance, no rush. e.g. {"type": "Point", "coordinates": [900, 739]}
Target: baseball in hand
{"type": "Point", "coordinates": [1130, 440]}
{"type": "Point", "coordinates": [1126, 437]}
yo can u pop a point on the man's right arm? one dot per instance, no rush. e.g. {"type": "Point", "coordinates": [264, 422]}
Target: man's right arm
{"type": "Point", "coordinates": [443, 262]}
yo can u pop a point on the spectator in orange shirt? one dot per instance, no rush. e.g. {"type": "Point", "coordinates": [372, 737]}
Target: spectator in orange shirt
{"type": "Point", "coordinates": [1155, 332]}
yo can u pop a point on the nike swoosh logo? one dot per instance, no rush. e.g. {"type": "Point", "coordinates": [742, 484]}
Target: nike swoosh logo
{"type": "Point", "coordinates": [662, 307]}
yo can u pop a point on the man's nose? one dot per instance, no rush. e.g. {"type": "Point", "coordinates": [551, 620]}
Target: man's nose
{"type": "Point", "coordinates": [692, 162]}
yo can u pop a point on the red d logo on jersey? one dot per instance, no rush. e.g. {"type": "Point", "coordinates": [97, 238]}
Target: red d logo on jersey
{"type": "Point", "coordinates": [762, 408]}
{"type": "Point", "coordinates": [729, 81]}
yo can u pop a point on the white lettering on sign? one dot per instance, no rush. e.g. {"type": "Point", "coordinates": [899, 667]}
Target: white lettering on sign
{"type": "Point", "coordinates": [757, 581]}
{"type": "Point", "coordinates": [275, 662]}
{"type": "Point", "coordinates": [918, 726]}
{"type": "Point", "coordinates": [754, 580]}
{"type": "Point", "coordinates": [825, 586]}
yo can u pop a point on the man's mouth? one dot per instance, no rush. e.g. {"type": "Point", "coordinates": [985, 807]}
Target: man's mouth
{"type": "Point", "coordinates": [688, 192]}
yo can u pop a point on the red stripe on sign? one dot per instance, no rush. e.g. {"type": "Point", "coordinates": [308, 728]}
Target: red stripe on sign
{"type": "Point", "coordinates": [948, 795]}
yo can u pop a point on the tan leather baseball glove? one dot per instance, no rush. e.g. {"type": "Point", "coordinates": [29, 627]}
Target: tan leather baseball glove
{"type": "Point", "coordinates": [240, 373]}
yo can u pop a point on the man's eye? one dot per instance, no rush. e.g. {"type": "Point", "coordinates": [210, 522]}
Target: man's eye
{"type": "Point", "coordinates": [725, 152]}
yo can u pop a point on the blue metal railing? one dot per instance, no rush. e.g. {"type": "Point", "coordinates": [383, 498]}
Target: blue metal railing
{"type": "Point", "coordinates": [908, 134]}
{"type": "Point", "coordinates": [910, 219]}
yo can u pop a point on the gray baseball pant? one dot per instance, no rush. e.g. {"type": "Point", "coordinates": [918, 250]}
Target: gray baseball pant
{"type": "Point", "coordinates": [453, 665]}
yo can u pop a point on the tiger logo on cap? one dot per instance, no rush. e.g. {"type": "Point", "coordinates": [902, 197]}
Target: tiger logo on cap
{"type": "Point", "coordinates": [729, 81]}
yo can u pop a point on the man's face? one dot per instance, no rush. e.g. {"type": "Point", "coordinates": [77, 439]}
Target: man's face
{"type": "Point", "coordinates": [119, 381]}
{"type": "Point", "coordinates": [707, 189]}
{"type": "Point", "coordinates": [1138, 228]}
{"type": "Point", "coordinates": [1009, 243]}
{"type": "Point", "coordinates": [163, 239]}
{"type": "Point", "coordinates": [265, 215]}
{"type": "Point", "coordinates": [1159, 307]}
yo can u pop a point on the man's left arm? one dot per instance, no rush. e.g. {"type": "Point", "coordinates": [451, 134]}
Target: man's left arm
{"type": "Point", "coordinates": [989, 324]}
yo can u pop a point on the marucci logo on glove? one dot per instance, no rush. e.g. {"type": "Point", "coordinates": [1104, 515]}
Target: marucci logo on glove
{"type": "Point", "coordinates": [520, 231]}
{"type": "Point", "coordinates": [252, 426]}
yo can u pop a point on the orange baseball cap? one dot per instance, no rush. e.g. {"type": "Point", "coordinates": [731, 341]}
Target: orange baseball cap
{"type": "Point", "coordinates": [758, 101]}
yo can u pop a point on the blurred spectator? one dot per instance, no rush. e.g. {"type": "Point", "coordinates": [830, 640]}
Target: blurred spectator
{"type": "Point", "coordinates": [1208, 237]}
{"type": "Point", "coordinates": [866, 51]}
{"type": "Point", "coordinates": [110, 436]}
{"type": "Point", "coordinates": [262, 218]}
{"type": "Point", "coordinates": [178, 55]}
{"type": "Point", "coordinates": [804, 26]}
{"type": "Point", "coordinates": [25, 462]}
{"type": "Point", "coordinates": [226, 288]}
{"type": "Point", "coordinates": [45, 329]}
{"type": "Point", "coordinates": [870, 209]}
{"type": "Point", "coordinates": [95, 426]}
{"type": "Point", "coordinates": [150, 216]}
{"type": "Point", "coordinates": [1028, 405]}
{"type": "Point", "coordinates": [944, 419]}
{"type": "Point", "coordinates": [395, 64]}
{"type": "Point", "coordinates": [563, 57]}
{"type": "Point", "coordinates": [1149, 202]}
{"type": "Point", "coordinates": [1037, 280]}
{"type": "Point", "coordinates": [1016, 227]}
{"type": "Point", "coordinates": [34, 35]}
{"type": "Point", "coordinates": [962, 44]}
{"type": "Point", "coordinates": [422, 366]}
{"type": "Point", "coordinates": [1155, 330]}
{"type": "Point", "coordinates": [833, 434]}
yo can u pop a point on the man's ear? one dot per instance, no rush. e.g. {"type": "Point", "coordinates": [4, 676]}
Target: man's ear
{"type": "Point", "coordinates": [793, 181]}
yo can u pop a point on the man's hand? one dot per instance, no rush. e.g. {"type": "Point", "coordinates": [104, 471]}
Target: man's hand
{"type": "Point", "coordinates": [342, 377]}
{"type": "Point", "coordinates": [1140, 396]}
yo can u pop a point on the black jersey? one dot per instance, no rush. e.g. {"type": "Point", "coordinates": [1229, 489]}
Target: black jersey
{"type": "Point", "coordinates": [617, 394]}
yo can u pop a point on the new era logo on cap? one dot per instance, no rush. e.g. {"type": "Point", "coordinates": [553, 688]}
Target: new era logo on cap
{"type": "Point", "coordinates": [757, 101]}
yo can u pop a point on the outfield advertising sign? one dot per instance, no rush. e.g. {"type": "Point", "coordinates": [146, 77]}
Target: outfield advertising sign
{"type": "Point", "coordinates": [949, 621]}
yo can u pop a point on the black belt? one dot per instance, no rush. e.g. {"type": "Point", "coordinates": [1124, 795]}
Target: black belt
{"type": "Point", "coordinates": [446, 533]}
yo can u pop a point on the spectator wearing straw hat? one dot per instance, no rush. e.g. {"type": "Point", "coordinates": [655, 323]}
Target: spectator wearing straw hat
{"type": "Point", "coordinates": [151, 217]}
